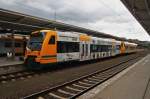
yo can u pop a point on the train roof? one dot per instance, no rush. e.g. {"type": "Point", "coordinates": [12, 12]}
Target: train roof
{"type": "Point", "coordinates": [16, 36]}
{"type": "Point", "coordinates": [70, 34]}
{"type": "Point", "coordinates": [96, 39]}
{"type": "Point", "coordinates": [131, 44]}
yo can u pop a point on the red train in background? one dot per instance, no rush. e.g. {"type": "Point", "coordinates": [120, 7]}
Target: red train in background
{"type": "Point", "coordinates": [6, 44]}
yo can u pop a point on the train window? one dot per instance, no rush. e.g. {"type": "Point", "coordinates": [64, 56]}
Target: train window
{"type": "Point", "coordinates": [61, 48]}
{"type": "Point", "coordinates": [95, 48]}
{"type": "Point", "coordinates": [82, 49]}
{"type": "Point", "coordinates": [52, 40]}
{"type": "Point", "coordinates": [105, 48]}
{"type": "Point", "coordinates": [8, 44]}
{"type": "Point", "coordinates": [76, 47]}
{"type": "Point", "coordinates": [67, 47]}
{"type": "Point", "coordinates": [102, 48]}
{"type": "Point", "coordinates": [99, 48]}
{"type": "Point", "coordinates": [118, 47]}
{"type": "Point", "coordinates": [86, 49]}
{"type": "Point", "coordinates": [37, 37]}
{"type": "Point", "coordinates": [91, 46]}
{"type": "Point", "coordinates": [72, 47]}
{"type": "Point", "coordinates": [109, 47]}
{"type": "Point", "coordinates": [17, 44]}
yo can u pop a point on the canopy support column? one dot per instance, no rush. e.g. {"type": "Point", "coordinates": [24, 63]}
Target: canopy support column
{"type": "Point", "coordinates": [13, 45]}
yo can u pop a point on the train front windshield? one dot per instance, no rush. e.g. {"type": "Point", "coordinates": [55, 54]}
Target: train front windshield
{"type": "Point", "coordinates": [36, 40]}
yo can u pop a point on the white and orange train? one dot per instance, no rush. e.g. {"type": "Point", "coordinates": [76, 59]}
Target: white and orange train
{"type": "Point", "coordinates": [47, 47]}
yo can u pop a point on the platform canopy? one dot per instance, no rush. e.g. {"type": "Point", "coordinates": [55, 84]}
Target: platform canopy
{"type": "Point", "coordinates": [141, 10]}
{"type": "Point", "coordinates": [22, 23]}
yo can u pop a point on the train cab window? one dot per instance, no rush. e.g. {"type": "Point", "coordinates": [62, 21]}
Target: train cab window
{"type": "Point", "coordinates": [36, 40]}
{"type": "Point", "coordinates": [52, 40]}
{"type": "Point", "coordinates": [37, 37]}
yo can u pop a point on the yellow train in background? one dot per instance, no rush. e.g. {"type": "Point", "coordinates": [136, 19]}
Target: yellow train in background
{"type": "Point", "coordinates": [48, 46]}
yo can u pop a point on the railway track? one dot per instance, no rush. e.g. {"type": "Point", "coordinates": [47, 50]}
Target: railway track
{"type": "Point", "coordinates": [16, 75]}
{"type": "Point", "coordinates": [23, 74]}
{"type": "Point", "coordinates": [77, 87]}
{"type": "Point", "coordinates": [11, 68]}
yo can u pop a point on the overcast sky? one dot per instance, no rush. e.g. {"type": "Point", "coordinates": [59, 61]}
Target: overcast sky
{"type": "Point", "coordinates": [109, 16]}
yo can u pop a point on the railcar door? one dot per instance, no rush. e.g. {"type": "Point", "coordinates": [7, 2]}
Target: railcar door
{"type": "Point", "coordinates": [84, 51]}
{"type": "Point", "coordinates": [84, 47]}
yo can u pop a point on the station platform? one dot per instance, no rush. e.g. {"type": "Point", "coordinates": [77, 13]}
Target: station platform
{"type": "Point", "coordinates": [4, 61]}
{"type": "Point", "coordinates": [132, 83]}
